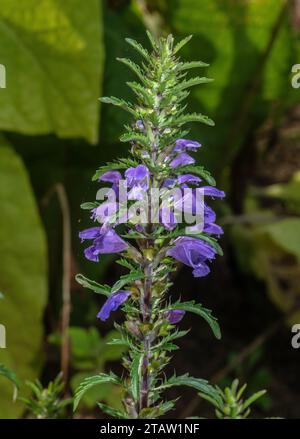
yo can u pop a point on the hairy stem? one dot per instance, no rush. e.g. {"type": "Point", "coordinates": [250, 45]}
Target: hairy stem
{"type": "Point", "coordinates": [146, 313]}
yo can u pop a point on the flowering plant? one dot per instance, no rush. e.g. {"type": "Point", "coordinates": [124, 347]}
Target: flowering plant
{"type": "Point", "coordinates": [154, 214]}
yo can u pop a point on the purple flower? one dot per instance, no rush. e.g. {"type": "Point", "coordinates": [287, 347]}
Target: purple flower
{"type": "Point", "coordinates": [192, 252]}
{"type": "Point", "coordinates": [209, 225]}
{"type": "Point", "coordinates": [139, 124]}
{"type": "Point", "coordinates": [183, 145]}
{"type": "Point", "coordinates": [138, 181]}
{"type": "Point", "coordinates": [105, 241]}
{"type": "Point", "coordinates": [213, 229]}
{"type": "Point", "coordinates": [188, 178]}
{"type": "Point", "coordinates": [112, 304]}
{"type": "Point", "coordinates": [92, 233]}
{"type": "Point", "coordinates": [167, 218]}
{"type": "Point", "coordinates": [211, 191]}
{"type": "Point", "coordinates": [174, 315]}
{"type": "Point", "coordinates": [181, 160]}
{"type": "Point", "coordinates": [111, 177]}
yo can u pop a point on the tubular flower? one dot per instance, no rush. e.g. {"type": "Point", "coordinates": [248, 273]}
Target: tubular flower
{"type": "Point", "coordinates": [193, 252]}
{"type": "Point", "coordinates": [103, 242]}
{"type": "Point", "coordinates": [112, 304]}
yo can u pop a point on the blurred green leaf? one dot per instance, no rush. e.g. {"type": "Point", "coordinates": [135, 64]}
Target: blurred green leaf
{"type": "Point", "coordinates": [286, 234]}
{"type": "Point", "coordinates": [9, 374]}
{"type": "Point", "coordinates": [242, 41]}
{"type": "Point", "coordinates": [53, 57]}
{"type": "Point", "coordinates": [23, 273]}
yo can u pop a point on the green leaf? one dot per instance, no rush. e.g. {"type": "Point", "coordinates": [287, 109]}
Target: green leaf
{"type": "Point", "coordinates": [135, 375]}
{"type": "Point", "coordinates": [190, 83]}
{"type": "Point", "coordinates": [92, 285]}
{"type": "Point", "coordinates": [124, 263]}
{"type": "Point", "coordinates": [190, 65]}
{"type": "Point", "coordinates": [182, 43]}
{"type": "Point", "coordinates": [141, 92]}
{"type": "Point", "coordinates": [138, 47]}
{"type": "Point", "coordinates": [253, 398]}
{"type": "Point", "coordinates": [286, 234]}
{"type": "Point", "coordinates": [9, 374]}
{"type": "Point", "coordinates": [135, 137]}
{"type": "Point", "coordinates": [59, 52]}
{"type": "Point", "coordinates": [198, 309]}
{"type": "Point", "coordinates": [197, 383]}
{"type": "Point", "coordinates": [166, 340]}
{"type": "Point", "coordinates": [127, 106]}
{"type": "Point", "coordinates": [193, 117]}
{"type": "Point", "coordinates": [134, 67]}
{"type": "Point", "coordinates": [117, 164]}
{"type": "Point", "coordinates": [212, 241]}
{"type": "Point", "coordinates": [89, 205]}
{"type": "Point", "coordinates": [198, 170]}
{"type": "Point", "coordinates": [152, 40]}
{"type": "Point", "coordinates": [118, 414]}
{"type": "Point", "coordinates": [126, 279]}
{"type": "Point", "coordinates": [90, 382]}
{"type": "Point", "coordinates": [23, 276]}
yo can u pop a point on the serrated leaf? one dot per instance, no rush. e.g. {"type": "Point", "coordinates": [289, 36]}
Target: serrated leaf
{"type": "Point", "coordinates": [197, 383]}
{"type": "Point", "coordinates": [193, 117]}
{"type": "Point", "coordinates": [198, 309]}
{"type": "Point", "coordinates": [122, 163]}
{"type": "Point", "coordinates": [118, 414]}
{"type": "Point", "coordinates": [182, 43]}
{"type": "Point", "coordinates": [124, 263]}
{"type": "Point", "coordinates": [93, 285]}
{"type": "Point", "coordinates": [132, 136]}
{"type": "Point", "coordinates": [191, 83]}
{"type": "Point", "coordinates": [135, 375]}
{"type": "Point", "coordinates": [141, 92]}
{"type": "Point", "coordinates": [138, 47]}
{"type": "Point", "coordinates": [198, 170]}
{"type": "Point", "coordinates": [126, 279]}
{"type": "Point", "coordinates": [177, 334]}
{"type": "Point", "coordinates": [152, 40]}
{"type": "Point", "coordinates": [191, 65]}
{"type": "Point", "coordinates": [90, 382]}
{"type": "Point", "coordinates": [134, 67]}
{"type": "Point", "coordinates": [127, 106]}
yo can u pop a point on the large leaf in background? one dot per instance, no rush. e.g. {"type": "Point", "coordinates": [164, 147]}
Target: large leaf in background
{"type": "Point", "coordinates": [120, 22]}
{"type": "Point", "coordinates": [53, 56]}
{"type": "Point", "coordinates": [286, 234]}
{"type": "Point", "coordinates": [236, 38]}
{"type": "Point", "coordinates": [22, 276]}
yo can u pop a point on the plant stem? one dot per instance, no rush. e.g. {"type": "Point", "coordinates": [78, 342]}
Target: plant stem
{"type": "Point", "coordinates": [146, 313]}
